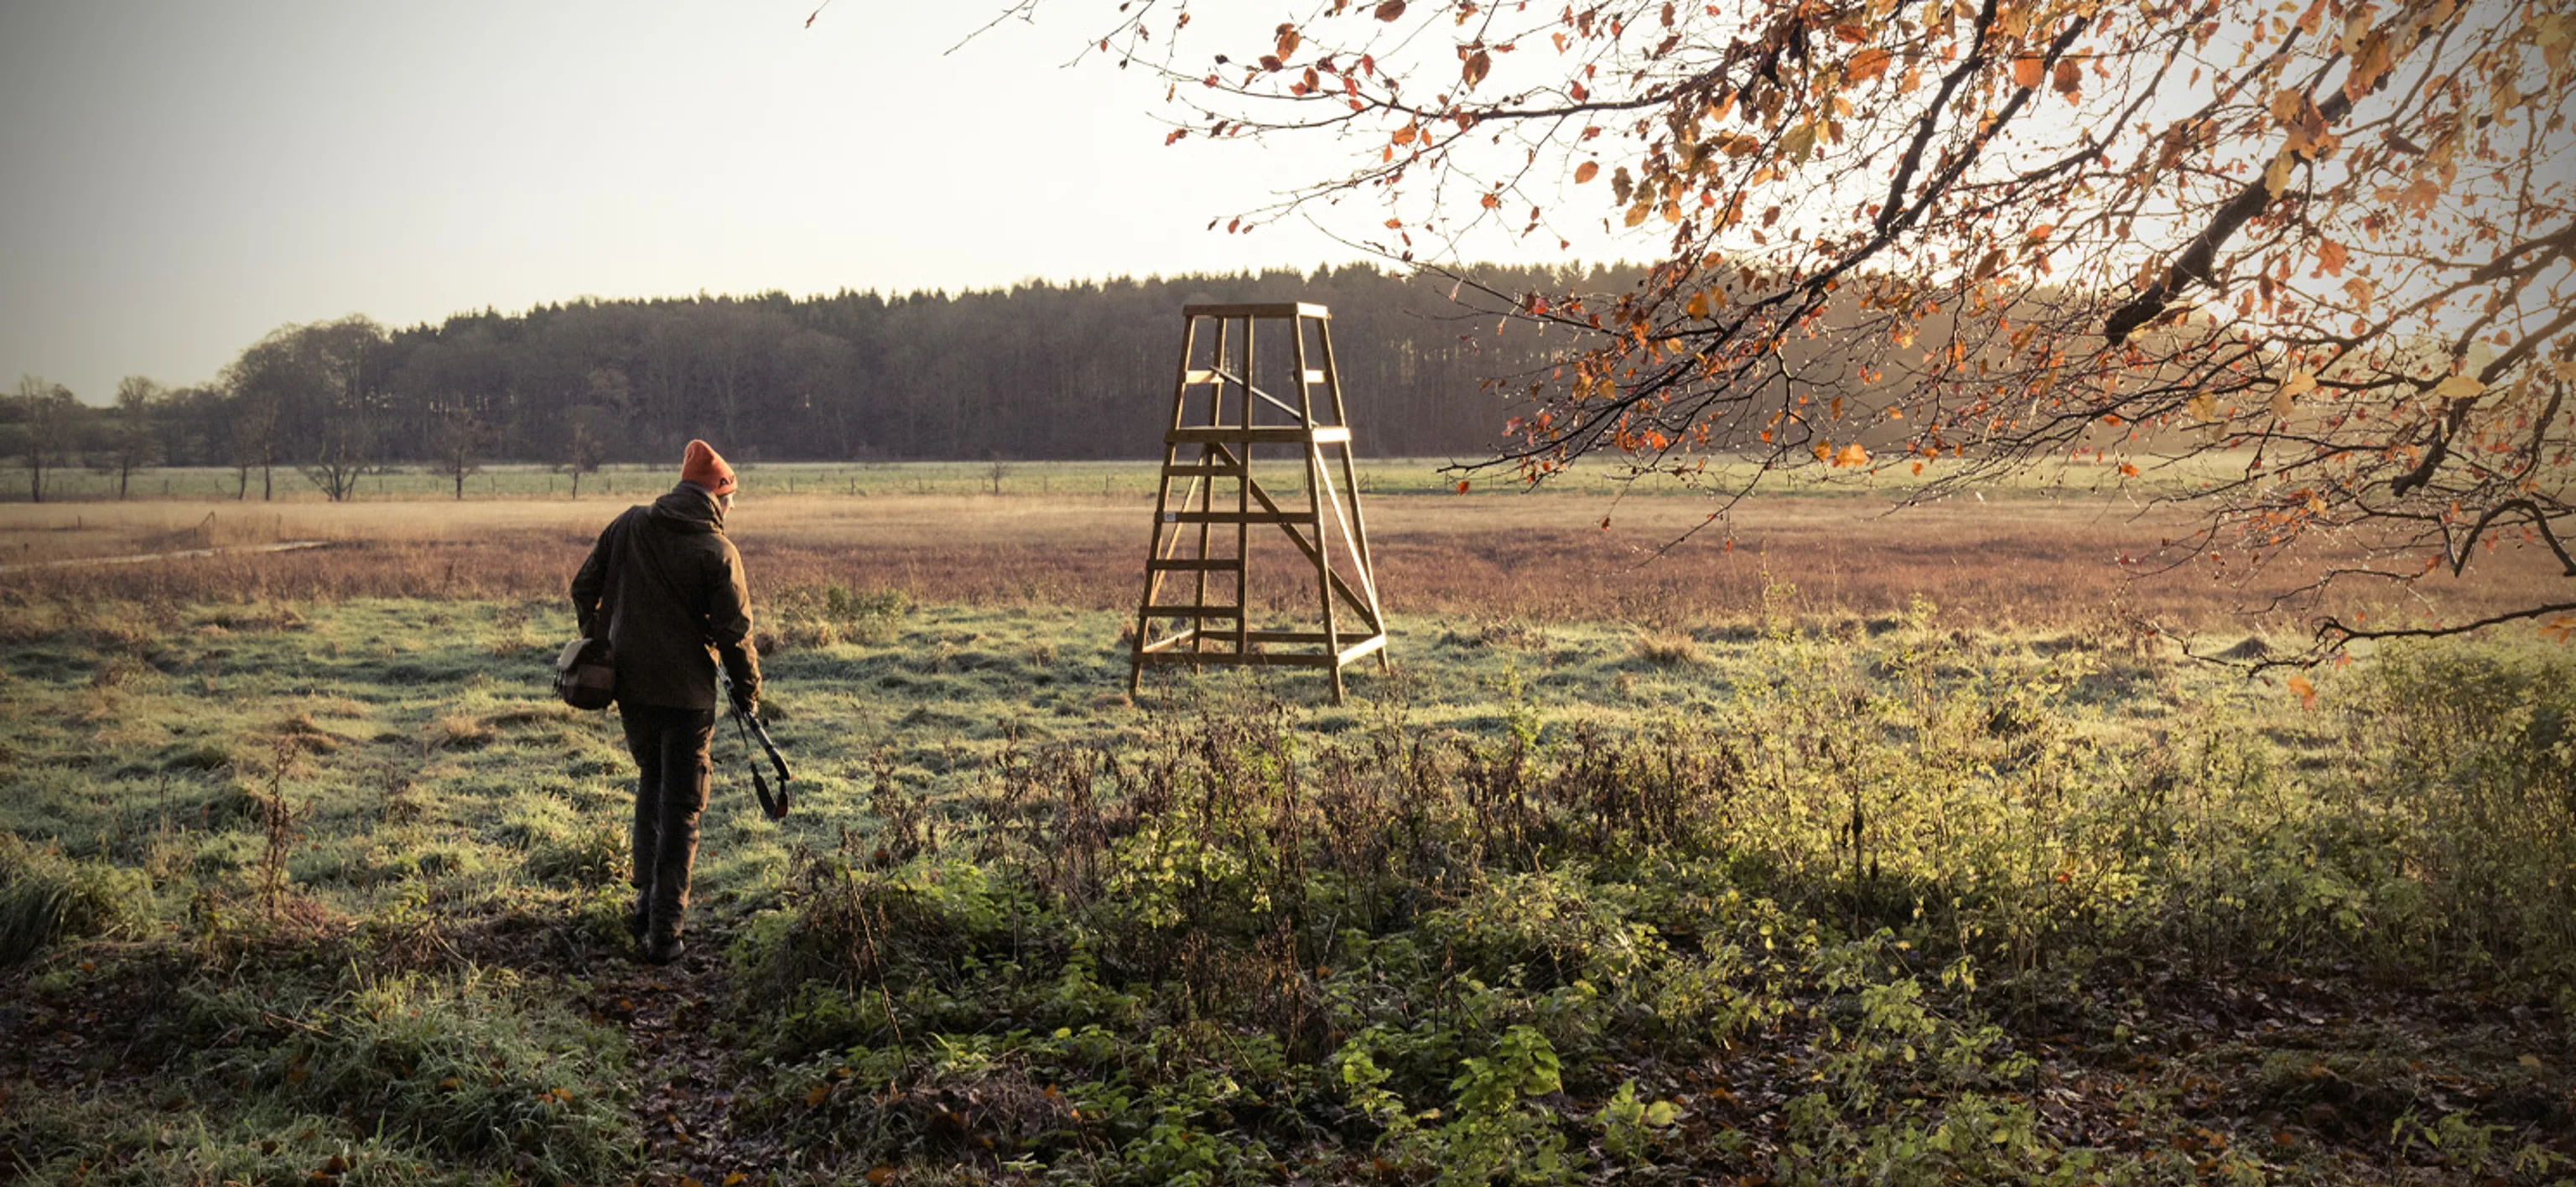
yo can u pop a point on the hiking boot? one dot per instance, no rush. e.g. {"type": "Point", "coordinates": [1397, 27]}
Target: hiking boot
{"type": "Point", "coordinates": [663, 949]}
{"type": "Point", "coordinates": [639, 922]}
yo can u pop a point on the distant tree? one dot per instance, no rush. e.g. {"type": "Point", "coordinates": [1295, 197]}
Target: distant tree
{"type": "Point", "coordinates": [459, 440]}
{"type": "Point", "coordinates": [346, 453]}
{"type": "Point", "coordinates": [134, 439]}
{"type": "Point", "coordinates": [585, 444]}
{"type": "Point", "coordinates": [45, 411]}
{"type": "Point", "coordinates": [256, 421]}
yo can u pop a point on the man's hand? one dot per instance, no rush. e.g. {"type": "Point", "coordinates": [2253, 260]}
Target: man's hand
{"type": "Point", "coordinates": [747, 704]}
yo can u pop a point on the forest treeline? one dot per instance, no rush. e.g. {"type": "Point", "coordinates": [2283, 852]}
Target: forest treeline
{"type": "Point", "coordinates": [1037, 371]}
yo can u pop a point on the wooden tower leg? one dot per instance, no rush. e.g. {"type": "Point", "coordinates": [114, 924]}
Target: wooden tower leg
{"type": "Point", "coordinates": [1315, 506]}
{"type": "Point", "coordinates": [1162, 506]}
{"type": "Point", "coordinates": [1207, 457]}
{"type": "Point", "coordinates": [1351, 484]}
{"type": "Point", "coordinates": [1243, 502]}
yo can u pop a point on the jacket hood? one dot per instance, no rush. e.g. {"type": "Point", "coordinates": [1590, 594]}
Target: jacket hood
{"type": "Point", "coordinates": [688, 509]}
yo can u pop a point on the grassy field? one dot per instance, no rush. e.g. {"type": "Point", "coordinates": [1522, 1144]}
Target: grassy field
{"type": "Point", "coordinates": [1928, 869]}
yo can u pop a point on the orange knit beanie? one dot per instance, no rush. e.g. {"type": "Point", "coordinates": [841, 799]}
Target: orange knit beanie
{"type": "Point", "coordinates": [704, 467]}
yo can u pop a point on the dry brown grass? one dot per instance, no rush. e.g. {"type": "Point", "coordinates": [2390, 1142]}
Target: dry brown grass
{"type": "Point", "coordinates": [2023, 560]}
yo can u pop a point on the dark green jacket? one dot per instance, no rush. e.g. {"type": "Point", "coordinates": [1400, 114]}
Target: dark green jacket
{"type": "Point", "coordinates": [670, 588]}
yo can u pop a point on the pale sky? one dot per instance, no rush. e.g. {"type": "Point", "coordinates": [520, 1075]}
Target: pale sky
{"type": "Point", "coordinates": [184, 178]}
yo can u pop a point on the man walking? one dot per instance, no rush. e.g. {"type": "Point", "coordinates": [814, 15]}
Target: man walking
{"type": "Point", "coordinates": [671, 587]}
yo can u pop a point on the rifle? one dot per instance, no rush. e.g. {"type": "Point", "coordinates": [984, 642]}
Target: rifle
{"type": "Point", "coordinates": [748, 727]}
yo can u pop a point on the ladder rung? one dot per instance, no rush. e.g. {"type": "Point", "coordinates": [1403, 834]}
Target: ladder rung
{"type": "Point", "coordinates": [1314, 376]}
{"type": "Point", "coordinates": [1227, 612]}
{"type": "Point", "coordinates": [1194, 378]}
{"type": "Point", "coordinates": [1220, 565]}
{"type": "Point", "coordinates": [1270, 659]}
{"type": "Point", "coordinates": [1263, 435]}
{"type": "Point", "coordinates": [1239, 517]}
{"type": "Point", "coordinates": [1296, 309]}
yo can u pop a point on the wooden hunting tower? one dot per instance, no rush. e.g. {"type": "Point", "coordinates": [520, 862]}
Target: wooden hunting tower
{"type": "Point", "coordinates": [1198, 583]}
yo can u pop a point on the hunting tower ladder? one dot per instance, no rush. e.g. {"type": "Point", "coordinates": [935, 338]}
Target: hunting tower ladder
{"type": "Point", "coordinates": [1220, 415]}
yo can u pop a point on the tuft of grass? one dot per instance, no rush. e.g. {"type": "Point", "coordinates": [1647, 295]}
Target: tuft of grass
{"type": "Point", "coordinates": [459, 731]}
{"type": "Point", "coordinates": [46, 898]}
{"type": "Point", "coordinates": [1668, 651]}
{"type": "Point", "coordinates": [590, 857]}
{"type": "Point", "coordinates": [472, 1066]}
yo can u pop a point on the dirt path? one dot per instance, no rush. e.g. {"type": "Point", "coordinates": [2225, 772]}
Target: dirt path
{"type": "Point", "coordinates": [684, 1076]}
{"type": "Point", "coordinates": [182, 554]}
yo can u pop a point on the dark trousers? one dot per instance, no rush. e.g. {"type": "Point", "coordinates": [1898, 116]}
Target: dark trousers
{"type": "Point", "coordinates": [670, 749]}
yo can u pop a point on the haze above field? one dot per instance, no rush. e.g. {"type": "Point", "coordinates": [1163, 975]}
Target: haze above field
{"type": "Point", "coordinates": [189, 179]}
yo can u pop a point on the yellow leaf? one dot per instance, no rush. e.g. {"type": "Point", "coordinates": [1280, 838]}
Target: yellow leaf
{"type": "Point", "coordinates": [2307, 691]}
{"type": "Point", "coordinates": [2040, 232]}
{"type": "Point", "coordinates": [1852, 455]}
{"type": "Point", "coordinates": [1637, 214]}
{"type": "Point", "coordinates": [2530, 1061]}
{"type": "Point", "coordinates": [2276, 176]}
{"type": "Point", "coordinates": [1797, 142]}
{"type": "Point", "coordinates": [2458, 387]}
{"type": "Point", "coordinates": [2298, 384]}
{"type": "Point", "coordinates": [815, 1096]}
{"type": "Point", "coordinates": [2204, 408]}
{"type": "Point", "coordinates": [1868, 64]}
{"type": "Point", "coordinates": [1698, 305]}
{"type": "Point", "coordinates": [736, 1179]}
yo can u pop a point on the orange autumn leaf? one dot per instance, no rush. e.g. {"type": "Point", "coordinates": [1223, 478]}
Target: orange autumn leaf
{"type": "Point", "coordinates": [2331, 257]}
{"type": "Point", "coordinates": [1868, 64]}
{"type": "Point", "coordinates": [1586, 172]}
{"type": "Point", "coordinates": [2027, 71]}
